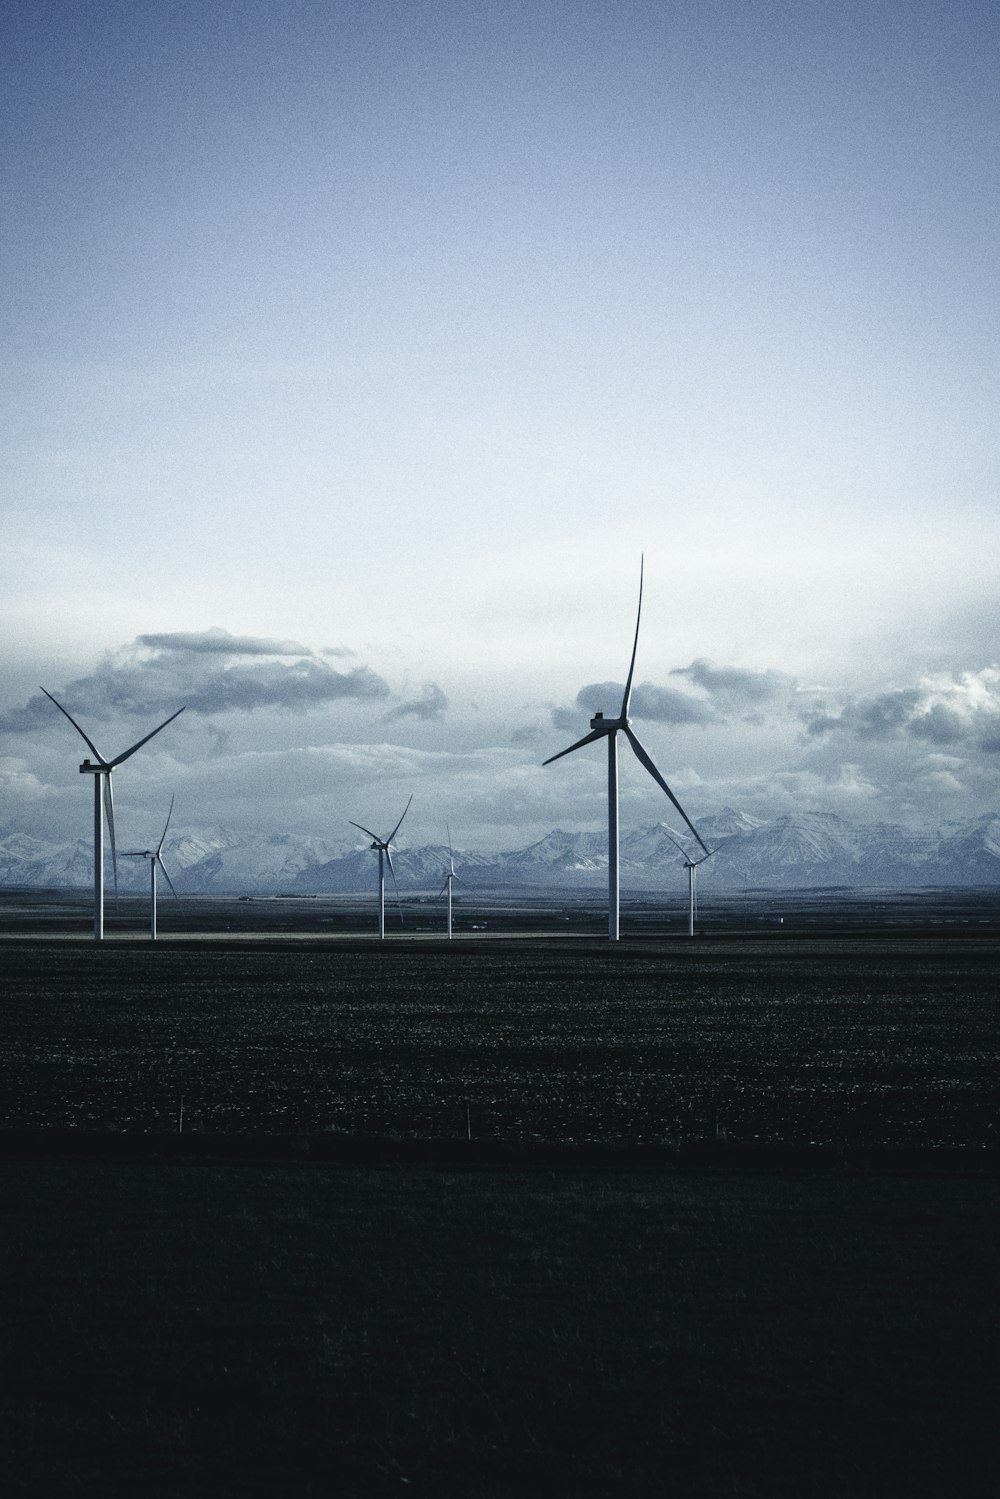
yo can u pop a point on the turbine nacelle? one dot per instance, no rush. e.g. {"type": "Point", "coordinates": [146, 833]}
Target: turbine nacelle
{"type": "Point", "coordinates": [608, 725]}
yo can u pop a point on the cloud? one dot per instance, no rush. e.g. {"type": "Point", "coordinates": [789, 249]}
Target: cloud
{"type": "Point", "coordinates": [664, 705]}
{"type": "Point", "coordinates": [941, 710]}
{"type": "Point", "coordinates": [735, 684]}
{"type": "Point", "coordinates": [19, 782]}
{"type": "Point", "coordinates": [153, 681]}
{"type": "Point", "coordinates": [431, 703]}
{"type": "Point", "coordinates": [220, 643]}
{"type": "Point", "coordinates": [656, 704]}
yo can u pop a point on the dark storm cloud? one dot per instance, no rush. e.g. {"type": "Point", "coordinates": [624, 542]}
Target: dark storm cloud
{"type": "Point", "coordinates": [736, 684]}
{"type": "Point", "coordinates": [880, 717]}
{"type": "Point", "coordinates": [201, 680]}
{"type": "Point", "coordinates": [664, 705]}
{"type": "Point", "coordinates": [221, 643]}
{"type": "Point", "coordinates": [961, 713]}
{"type": "Point", "coordinates": [656, 704]}
{"type": "Point", "coordinates": [431, 703]}
{"type": "Point", "coordinates": [306, 684]}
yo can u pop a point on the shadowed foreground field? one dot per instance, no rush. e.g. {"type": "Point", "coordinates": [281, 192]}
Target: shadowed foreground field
{"type": "Point", "coordinates": [173, 1329]}
{"type": "Point", "coordinates": [852, 1040]}
{"type": "Point", "coordinates": [176, 1324]}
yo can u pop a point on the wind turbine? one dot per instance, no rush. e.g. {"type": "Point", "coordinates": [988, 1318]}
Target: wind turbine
{"type": "Point", "coordinates": [384, 848]}
{"type": "Point", "coordinates": [449, 876]}
{"type": "Point", "coordinates": [608, 728]}
{"type": "Point", "coordinates": [102, 792]}
{"type": "Point", "coordinates": [691, 865]}
{"type": "Point", "coordinates": [153, 855]}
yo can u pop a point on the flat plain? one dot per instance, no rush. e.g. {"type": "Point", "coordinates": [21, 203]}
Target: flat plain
{"type": "Point", "coordinates": [180, 1325]}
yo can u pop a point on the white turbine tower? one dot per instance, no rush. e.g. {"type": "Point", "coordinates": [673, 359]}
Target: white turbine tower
{"type": "Point", "coordinates": [449, 877]}
{"type": "Point", "coordinates": [691, 865]}
{"type": "Point", "coordinates": [608, 728]}
{"type": "Point", "coordinates": [154, 857]}
{"type": "Point", "coordinates": [383, 846]}
{"type": "Point", "coordinates": [102, 793]}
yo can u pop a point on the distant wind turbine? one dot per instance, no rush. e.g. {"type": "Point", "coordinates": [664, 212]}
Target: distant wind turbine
{"type": "Point", "coordinates": [384, 848]}
{"type": "Point", "coordinates": [102, 792]}
{"type": "Point", "coordinates": [154, 857]}
{"type": "Point", "coordinates": [449, 876]}
{"type": "Point", "coordinates": [608, 728]}
{"type": "Point", "coordinates": [691, 865]}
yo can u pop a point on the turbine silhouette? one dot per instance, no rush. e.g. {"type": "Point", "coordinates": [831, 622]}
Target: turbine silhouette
{"type": "Point", "coordinates": [154, 857]}
{"type": "Point", "coordinates": [609, 728]}
{"type": "Point", "coordinates": [103, 793]}
{"type": "Point", "coordinates": [449, 876]}
{"type": "Point", "coordinates": [691, 865]}
{"type": "Point", "coordinates": [383, 846]}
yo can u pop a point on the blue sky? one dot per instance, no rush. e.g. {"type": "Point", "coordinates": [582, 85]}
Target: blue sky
{"type": "Point", "coordinates": [396, 332]}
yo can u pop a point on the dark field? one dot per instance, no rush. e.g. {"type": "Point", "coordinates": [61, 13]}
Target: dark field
{"type": "Point", "coordinates": [855, 1036]}
{"type": "Point", "coordinates": [313, 1330]}
{"type": "Point", "coordinates": [182, 1325]}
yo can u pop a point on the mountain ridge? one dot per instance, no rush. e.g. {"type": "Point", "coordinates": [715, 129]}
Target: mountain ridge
{"type": "Point", "coordinates": [797, 850]}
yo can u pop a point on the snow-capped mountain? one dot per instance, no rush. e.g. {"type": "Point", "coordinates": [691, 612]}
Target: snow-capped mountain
{"type": "Point", "coordinates": [801, 850]}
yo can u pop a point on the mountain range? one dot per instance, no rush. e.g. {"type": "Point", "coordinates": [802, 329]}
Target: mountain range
{"type": "Point", "coordinates": [797, 851]}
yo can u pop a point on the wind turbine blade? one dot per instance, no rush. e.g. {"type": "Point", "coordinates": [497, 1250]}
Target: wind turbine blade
{"type": "Point", "coordinates": [680, 849]}
{"type": "Point", "coordinates": [388, 855]}
{"type": "Point", "coordinates": [169, 880]}
{"type": "Point", "coordinates": [365, 830]}
{"type": "Point", "coordinates": [85, 737]}
{"type": "Point", "coordinates": [127, 753]}
{"type": "Point", "coordinates": [587, 739]}
{"type": "Point", "coordinates": [644, 759]}
{"type": "Point", "coordinates": [444, 889]}
{"type": "Point", "coordinates": [109, 812]}
{"type": "Point", "coordinates": [395, 887]}
{"type": "Point", "coordinates": [159, 846]}
{"type": "Point", "coordinates": [627, 697]}
{"type": "Point", "coordinates": [400, 822]}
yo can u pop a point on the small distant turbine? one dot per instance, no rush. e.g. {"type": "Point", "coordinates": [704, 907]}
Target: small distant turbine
{"type": "Point", "coordinates": [383, 846]}
{"type": "Point", "coordinates": [691, 865]}
{"type": "Point", "coordinates": [154, 857]}
{"type": "Point", "coordinates": [608, 728]}
{"type": "Point", "coordinates": [449, 876]}
{"type": "Point", "coordinates": [102, 792]}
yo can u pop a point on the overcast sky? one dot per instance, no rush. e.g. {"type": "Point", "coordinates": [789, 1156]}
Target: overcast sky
{"type": "Point", "coordinates": [354, 352]}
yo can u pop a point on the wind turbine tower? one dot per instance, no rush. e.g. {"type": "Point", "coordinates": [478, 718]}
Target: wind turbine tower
{"type": "Point", "coordinates": [383, 846]}
{"type": "Point", "coordinates": [691, 865]}
{"type": "Point", "coordinates": [449, 877]}
{"type": "Point", "coordinates": [154, 857]}
{"type": "Point", "coordinates": [609, 728]}
{"type": "Point", "coordinates": [103, 794]}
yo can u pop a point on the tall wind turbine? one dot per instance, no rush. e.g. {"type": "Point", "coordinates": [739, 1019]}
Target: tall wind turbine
{"type": "Point", "coordinates": [102, 793]}
{"type": "Point", "coordinates": [384, 848]}
{"type": "Point", "coordinates": [608, 728]}
{"type": "Point", "coordinates": [691, 865]}
{"type": "Point", "coordinates": [449, 876]}
{"type": "Point", "coordinates": [154, 857]}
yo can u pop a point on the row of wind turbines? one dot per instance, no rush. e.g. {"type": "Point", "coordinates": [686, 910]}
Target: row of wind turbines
{"type": "Point", "coordinates": [600, 728]}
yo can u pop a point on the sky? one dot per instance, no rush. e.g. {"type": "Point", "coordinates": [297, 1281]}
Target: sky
{"type": "Point", "coordinates": [353, 355]}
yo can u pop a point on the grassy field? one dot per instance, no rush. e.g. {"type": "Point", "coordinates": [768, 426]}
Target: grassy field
{"type": "Point", "coordinates": [312, 1330]}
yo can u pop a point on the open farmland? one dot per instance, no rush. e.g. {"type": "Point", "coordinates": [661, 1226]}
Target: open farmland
{"type": "Point", "coordinates": [849, 1039]}
{"type": "Point", "coordinates": [178, 1322]}
{"type": "Point", "coordinates": [252, 1329]}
